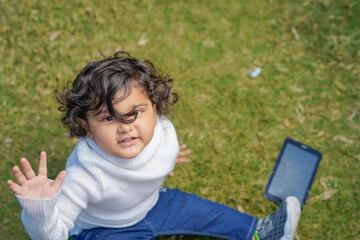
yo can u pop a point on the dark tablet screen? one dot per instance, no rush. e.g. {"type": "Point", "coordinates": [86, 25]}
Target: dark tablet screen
{"type": "Point", "coordinates": [293, 173]}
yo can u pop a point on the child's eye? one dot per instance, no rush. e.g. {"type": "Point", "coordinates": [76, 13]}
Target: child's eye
{"type": "Point", "coordinates": [138, 112]}
{"type": "Point", "coordinates": [109, 118]}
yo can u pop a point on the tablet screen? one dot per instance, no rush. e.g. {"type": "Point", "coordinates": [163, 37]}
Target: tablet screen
{"type": "Point", "coordinates": [294, 172]}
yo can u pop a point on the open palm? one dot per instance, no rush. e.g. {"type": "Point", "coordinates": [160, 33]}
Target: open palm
{"type": "Point", "coordinates": [32, 186]}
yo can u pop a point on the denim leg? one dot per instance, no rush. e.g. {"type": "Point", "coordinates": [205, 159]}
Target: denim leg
{"type": "Point", "coordinates": [179, 213]}
{"type": "Point", "coordinates": [140, 231]}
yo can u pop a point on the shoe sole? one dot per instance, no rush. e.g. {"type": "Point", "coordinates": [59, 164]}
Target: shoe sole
{"type": "Point", "coordinates": [293, 210]}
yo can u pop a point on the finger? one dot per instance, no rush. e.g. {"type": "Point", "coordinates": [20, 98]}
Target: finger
{"type": "Point", "coordinates": [28, 171]}
{"type": "Point", "coordinates": [182, 146]}
{"type": "Point", "coordinates": [43, 164]}
{"type": "Point", "coordinates": [182, 160]}
{"type": "Point", "coordinates": [58, 181]}
{"type": "Point", "coordinates": [183, 153]}
{"type": "Point", "coordinates": [14, 187]}
{"type": "Point", "coordinates": [20, 178]}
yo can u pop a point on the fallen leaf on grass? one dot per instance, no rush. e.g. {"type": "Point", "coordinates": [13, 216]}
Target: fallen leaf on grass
{"type": "Point", "coordinates": [259, 182]}
{"type": "Point", "coordinates": [301, 119]}
{"type": "Point", "coordinates": [54, 35]}
{"type": "Point", "coordinates": [46, 91]}
{"type": "Point", "coordinates": [286, 122]}
{"type": "Point", "coordinates": [281, 68]}
{"type": "Point", "coordinates": [209, 43]}
{"type": "Point", "coordinates": [240, 208]}
{"type": "Point", "coordinates": [299, 113]}
{"type": "Point", "coordinates": [343, 139]}
{"type": "Point", "coordinates": [204, 191]}
{"type": "Point", "coordinates": [340, 86]}
{"type": "Point", "coordinates": [296, 89]}
{"type": "Point", "coordinates": [353, 114]}
{"type": "Point", "coordinates": [320, 133]}
{"type": "Point", "coordinates": [88, 9]}
{"type": "Point", "coordinates": [8, 140]}
{"type": "Point", "coordinates": [203, 97]}
{"type": "Point", "coordinates": [294, 32]}
{"type": "Point", "coordinates": [257, 148]}
{"type": "Point", "coordinates": [328, 192]}
{"type": "Point", "coordinates": [325, 195]}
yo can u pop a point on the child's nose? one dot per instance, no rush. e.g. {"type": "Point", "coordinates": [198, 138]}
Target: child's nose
{"type": "Point", "coordinates": [125, 127]}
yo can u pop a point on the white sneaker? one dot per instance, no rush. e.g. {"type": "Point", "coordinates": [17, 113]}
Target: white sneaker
{"type": "Point", "coordinates": [282, 224]}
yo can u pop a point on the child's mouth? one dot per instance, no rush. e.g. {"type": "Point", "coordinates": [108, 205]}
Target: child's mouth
{"type": "Point", "coordinates": [127, 140]}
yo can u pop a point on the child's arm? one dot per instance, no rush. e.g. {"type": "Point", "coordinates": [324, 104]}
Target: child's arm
{"type": "Point", "coordinates": [48, 212]}
{"type": "Point", "coordinates": [32, 186]}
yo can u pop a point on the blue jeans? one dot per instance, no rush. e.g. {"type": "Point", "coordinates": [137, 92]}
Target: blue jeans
{"type": "Point", "coordinates": [179, 213]}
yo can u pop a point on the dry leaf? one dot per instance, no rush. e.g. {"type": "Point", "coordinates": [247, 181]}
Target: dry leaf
{"type": "Point", "coordinates": [203, 97]}
{"type": "Point", "coordinates": [296, 89]}
{"type": "Point", "coordinates": [286, 122]}
{"type": "Point", "coordinates": [299, 113]}
{"type": "Point", "coordinates": [301, 119]}
{"type": "Point", "coordinates": [209, 43]}
{"type": "Point", "coordinates": [294, 32]}
{"type": "Point", "coordinates": [8, 140]}
{"type": "Point", "coordinates": [257, 148]}
{"type": "Point", "coordinates": [54, 35]}
{"type": "Point", "coordinates": [325, 195]}
{"type": "Point", "coordinates": [353, 114]}
{"type": "Point", "coordinates": [204, 191]}
{"type": "Point", "coordinates": [240, 208]}
{"type": "Point", "coordinates": [320, 133]}
{"type": "Point", "coordinates": [46, 91]}
{"type": "Point", "coordinates": [343, 139]}
{"type": "Point", "coordinates": [281, 68]}
{"type": "Point", "coordinates": [328, 192]}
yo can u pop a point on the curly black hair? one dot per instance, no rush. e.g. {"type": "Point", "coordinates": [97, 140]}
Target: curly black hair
{"type": "Point", "coordinates": [98, 83]}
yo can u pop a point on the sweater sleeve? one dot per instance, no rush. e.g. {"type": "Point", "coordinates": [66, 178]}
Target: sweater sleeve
{"type": "Point", "coordinates": [53, 218]}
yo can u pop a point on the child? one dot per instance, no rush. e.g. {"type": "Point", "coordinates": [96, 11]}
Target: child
{"type": "Point", "coordinates": [112, 189]}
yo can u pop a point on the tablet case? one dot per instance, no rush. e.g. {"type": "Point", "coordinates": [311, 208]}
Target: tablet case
{"type": "Point", "coordinates": [293, 173]}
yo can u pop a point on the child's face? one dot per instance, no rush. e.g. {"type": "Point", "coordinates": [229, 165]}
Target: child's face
{"type": "Point", "coordinates": [124, 140]}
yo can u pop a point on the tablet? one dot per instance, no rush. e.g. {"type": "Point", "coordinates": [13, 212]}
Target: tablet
{"type": "Point", "coordinates": [293, 173]}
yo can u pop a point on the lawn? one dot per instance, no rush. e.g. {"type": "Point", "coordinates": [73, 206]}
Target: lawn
{"type": "Point", "coordinates": [309, 90]}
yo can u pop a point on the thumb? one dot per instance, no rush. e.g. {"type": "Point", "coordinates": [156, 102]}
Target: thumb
{"type": "Point", "coordinates": [58, 181]}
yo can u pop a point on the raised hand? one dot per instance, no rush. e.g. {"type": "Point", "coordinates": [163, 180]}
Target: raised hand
{"type": "Point", "coordinates": [180, 158]}
{"type": "Point", "coordinates": [32, 186]}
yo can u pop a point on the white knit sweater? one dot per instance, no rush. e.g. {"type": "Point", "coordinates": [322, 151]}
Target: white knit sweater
{"type": "Point", "coordinates": [101, 190]}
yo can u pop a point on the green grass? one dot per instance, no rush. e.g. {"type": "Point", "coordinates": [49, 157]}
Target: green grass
{"type": "Point", "coordinates": [309, 90]}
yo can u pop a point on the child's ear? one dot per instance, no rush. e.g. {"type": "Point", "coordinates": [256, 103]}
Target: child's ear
{"type": "Point", "coordinates": [85, 126]}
